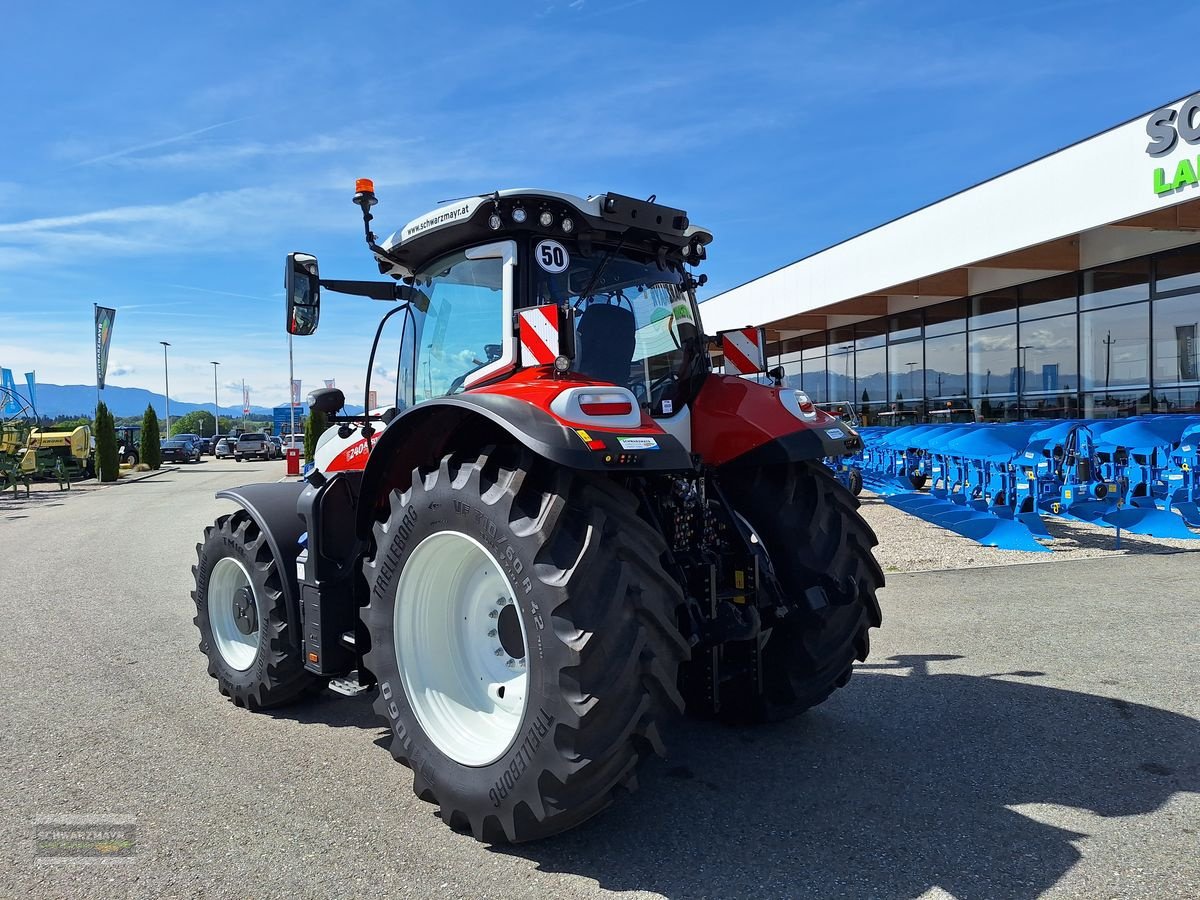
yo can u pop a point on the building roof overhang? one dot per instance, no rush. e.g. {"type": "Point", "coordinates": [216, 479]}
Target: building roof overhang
{"type": "Point", "coordinates": [1094, 202]}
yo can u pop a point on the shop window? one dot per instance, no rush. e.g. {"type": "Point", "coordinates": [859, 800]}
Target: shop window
{"type": "Point", "coordinates": [906, 373]}
{"type": "Point", "coordinates": [1181, 399]}
{"type": "Point", "coordinates": [1177, 340]}
{"type": "Point", "coordinates": [1049, 355]}
{"type": "Point", "coordinates": [993, 361]}
{"type": "Point", "coordinates": [1178, 271]}
{"type": "Point", "coordinates": [1115, 283]}
{"type": "Point", "coordinates": [905, 326]}
{"type": "Point", "coordinates": [870, 380]}
{"type": "Point", "coordinates": [997, 308]}
{"type": "Point", "coordinates": [1049, 297]}
{"type": "Point", "coordinates": [946, 318]}
{"type": "Point", "coordinates": [1115, 404]}
{"type": "Point", "coordinates": [1002, 408]}
{"type": "Point", "coordinates": [841, 375]}
{"type": "Point", "coordinates": [813, 379]}
{"type": "Point", "coordinates": [946, 366]}
{"type": "Point", "coordinates": [1115, 347]}
{"type": "Point", "coordinates": [870, 334]}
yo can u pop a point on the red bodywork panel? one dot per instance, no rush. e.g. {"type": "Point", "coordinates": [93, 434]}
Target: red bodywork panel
{"type": "Point", "coordinates": [539, 387]}
{"type": "Point", "coordinates": [536, 386]}
{"type": "Point", "coordinates": [732, 416]}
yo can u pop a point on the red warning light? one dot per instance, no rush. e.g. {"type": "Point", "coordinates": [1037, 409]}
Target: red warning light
{"type": "Point", "coordinates": [364, 186]}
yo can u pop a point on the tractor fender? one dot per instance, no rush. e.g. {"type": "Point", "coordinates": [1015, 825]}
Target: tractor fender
{"type": "Point", "coordinates": [424, 433]}
{"type": "Point", "coordinates": [272, 506]}
{"type": "Point", "coordinates": [736, 422]}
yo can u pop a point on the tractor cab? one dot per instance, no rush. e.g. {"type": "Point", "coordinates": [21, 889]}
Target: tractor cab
{"type": "Point", "coordinates": [594, 290]}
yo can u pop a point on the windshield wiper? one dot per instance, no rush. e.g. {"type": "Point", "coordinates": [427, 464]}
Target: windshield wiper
{"type": "Point", "coordinates": [595, 279]}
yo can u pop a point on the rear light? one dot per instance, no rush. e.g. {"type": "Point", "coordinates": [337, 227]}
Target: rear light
{"type": "Point", "coordinates": [799, 405]}
{"type": "Point", "coordinates": [605, 404]}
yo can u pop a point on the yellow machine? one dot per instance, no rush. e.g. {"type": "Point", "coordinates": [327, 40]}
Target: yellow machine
{"type": "Point", "coordinates": [44, 449]}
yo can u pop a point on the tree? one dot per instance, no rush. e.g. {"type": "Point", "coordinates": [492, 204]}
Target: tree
{"type": "Point", "coordinates": [199, 422]}
{"type": "Point", "coordinates": [151, 447]}
{"type": "Point", "coordinates": [314, 427]}
{"type": "Point", "coordinates": [108, 464]}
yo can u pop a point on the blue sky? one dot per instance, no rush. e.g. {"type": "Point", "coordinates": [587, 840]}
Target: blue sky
{"type": "Point", "coordinates": [163, 158]}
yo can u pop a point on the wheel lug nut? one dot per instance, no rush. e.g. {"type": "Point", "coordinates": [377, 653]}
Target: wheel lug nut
{"type": "Point", "coordinates": [493, 614]}
{"type": "Point", "coordinates": [512, 663]}
{"type": "Point", "coordinates": [499, 651]}
{"type": "Point", "coordinates": [492, 633]}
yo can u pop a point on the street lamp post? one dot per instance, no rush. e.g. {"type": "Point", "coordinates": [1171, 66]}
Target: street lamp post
{"type": "Point", "coordinates": [166, 387]}
{"type": "Point", "coordinates": [216, 411]}
{"type": "Point", "coordinates": [1021, 382]}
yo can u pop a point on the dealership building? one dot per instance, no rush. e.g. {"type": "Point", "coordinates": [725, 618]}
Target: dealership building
{"type": "Point", "coordinates": [1068, 287]}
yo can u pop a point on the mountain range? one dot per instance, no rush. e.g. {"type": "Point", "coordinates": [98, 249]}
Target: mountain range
{"type": "Point", "coordinates": [80, 400]}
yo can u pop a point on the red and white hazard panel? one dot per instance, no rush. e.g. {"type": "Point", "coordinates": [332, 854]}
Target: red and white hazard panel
{"type": "Point", "coordinates": [744, 350]}
{"type": "Point", "coordinates": [539, 335]}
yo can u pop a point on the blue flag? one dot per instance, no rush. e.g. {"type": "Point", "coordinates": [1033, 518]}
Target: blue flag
{"type": "Point", "coordinates": [8, 393]}
{"type": "Point", "coordinates": [31, 383]}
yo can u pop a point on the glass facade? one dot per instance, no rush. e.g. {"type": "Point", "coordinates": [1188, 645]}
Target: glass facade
{"type": "Point", "coordinates": [1118, 340]}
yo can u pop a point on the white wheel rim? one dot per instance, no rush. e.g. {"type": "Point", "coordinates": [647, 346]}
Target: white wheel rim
{"type": "Point", "coordinates": [225, 584]}
{"type": "Point", "coordinates": [453, 607]}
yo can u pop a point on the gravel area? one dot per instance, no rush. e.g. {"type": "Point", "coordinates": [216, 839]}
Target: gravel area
{"type": "Point", "coordinates": [910, 544]}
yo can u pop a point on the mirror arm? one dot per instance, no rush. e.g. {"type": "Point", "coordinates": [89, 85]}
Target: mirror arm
{"type": "Point", "coordinates": [367, 429]}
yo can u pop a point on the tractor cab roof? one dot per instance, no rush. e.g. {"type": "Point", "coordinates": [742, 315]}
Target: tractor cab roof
{"type": "Point", "coordinates": [509, 213]}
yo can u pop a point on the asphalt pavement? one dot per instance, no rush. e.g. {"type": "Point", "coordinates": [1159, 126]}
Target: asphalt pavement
{"type": "Point", "coordinates": [1018, 732]}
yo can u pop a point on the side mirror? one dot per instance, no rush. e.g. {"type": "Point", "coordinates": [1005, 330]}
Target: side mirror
{"type": "Point", "coordinates": [327, 400]}
{"type": "Point", "coordinates": [302, 287]}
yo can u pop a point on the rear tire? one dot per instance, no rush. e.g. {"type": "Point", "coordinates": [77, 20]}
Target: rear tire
{"type": "Point", "coordinates": [254, 662]}
{"type": "Point", "coordinates": [595, 614]}
{"type": "Point", "coordinates": [820, 548]}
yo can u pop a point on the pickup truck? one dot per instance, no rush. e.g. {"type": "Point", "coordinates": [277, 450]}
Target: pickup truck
{"type": "Point", "coordinates": [253, 444]}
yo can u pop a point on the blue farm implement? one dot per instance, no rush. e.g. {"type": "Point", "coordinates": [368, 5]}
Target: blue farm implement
{"type": "Point", "coordinates": [995, 483]}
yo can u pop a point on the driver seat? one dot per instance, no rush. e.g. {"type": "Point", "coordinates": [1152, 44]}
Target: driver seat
{"type": "Point", "coordinates": [605, 343]}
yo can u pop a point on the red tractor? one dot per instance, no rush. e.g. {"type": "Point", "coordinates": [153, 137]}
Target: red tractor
{"type": "Point", "coordinates": [565, 530]}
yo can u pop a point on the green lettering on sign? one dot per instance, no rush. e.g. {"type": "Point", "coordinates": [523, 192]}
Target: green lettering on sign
{"type": "Point", "coordinates": [1185, 173]}
{"type": "Point", "coordinates": [1160, 185]}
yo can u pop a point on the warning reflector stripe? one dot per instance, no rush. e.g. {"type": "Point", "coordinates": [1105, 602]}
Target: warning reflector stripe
{"type": "Point", "coordinates": [742, 352]}
{"type": "Point", "coordinates": [539, 335]}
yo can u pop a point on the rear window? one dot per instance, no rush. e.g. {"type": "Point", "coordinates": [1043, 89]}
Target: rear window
{"type": "Point", "coordinates": [253, 437]}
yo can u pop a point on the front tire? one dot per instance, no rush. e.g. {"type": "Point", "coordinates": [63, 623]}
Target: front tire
{"type": "Point", "coordinates": [574, 579]}
{"type": "Point", "coordinates": [856, 481]}
{"type": "Point", "coordinates": [242, 616]}
{"type": "Point", "coordinates": [820, 548]}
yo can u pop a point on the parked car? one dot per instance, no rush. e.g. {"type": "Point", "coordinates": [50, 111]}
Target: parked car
{"type": "Point", "coordinates": [216, 439]}
{"type": "Point", "coordinates": [204, 445]}
{"type": "Point", "coordinates": [178, 450]}
{"type": "Point", "coordinates": [253, 444]}
{"type": "Point", "coordinates": [223, 448]}
{"type": "Point", "coordinates": [278, 442]}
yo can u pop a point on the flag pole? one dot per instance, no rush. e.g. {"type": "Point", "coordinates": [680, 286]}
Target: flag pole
{"type": "Point", "coordinates": [291, 390]}
{"type": "Point", "coordinates": [96, 337]}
